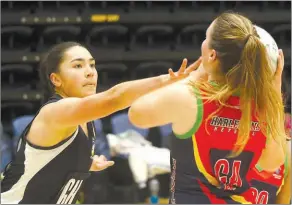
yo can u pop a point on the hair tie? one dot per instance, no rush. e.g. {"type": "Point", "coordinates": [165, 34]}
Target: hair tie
{"type": "Point", "coordinates": [247, 38]}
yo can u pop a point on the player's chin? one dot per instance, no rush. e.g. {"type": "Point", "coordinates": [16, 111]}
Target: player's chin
{"type": "Point", "coordinates": [89, 92]}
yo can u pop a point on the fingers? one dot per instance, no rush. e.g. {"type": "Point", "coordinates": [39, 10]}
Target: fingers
{"type": "Point", "coordinates": [95, 157]}
{"type": "Point", "coordinates": [184, 70]}
{"type": "Point", "coordinates": [104, 164]}
{"type": "Point", "coordinates": [280, 63]}
{"type": "Point", "coordinates": [194, 66]}
{"type": "Point", "coordinates": [110, 163]}
{"type": "Point", "coordinates": [183, 66]}
{"type": "Point", "coordinates": [100, 163]}
{"type": "Point", "coordinates": [102, 157]}
{"type": "Point", "coordinates": [282, 56]}
{"type": "Point", "coordinates": [171, 73]}
{"type": "Point", "coordinates": [99, 159]}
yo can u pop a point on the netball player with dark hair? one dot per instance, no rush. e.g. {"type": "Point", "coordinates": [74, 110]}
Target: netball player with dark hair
{"type": "Point", "coordinates": [55, 152]}
{"type": "Point", "coordinates": [228, 118]}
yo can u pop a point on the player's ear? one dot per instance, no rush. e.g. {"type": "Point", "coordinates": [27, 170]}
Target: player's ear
{"type": "Point", "coordinates": [56, 79]}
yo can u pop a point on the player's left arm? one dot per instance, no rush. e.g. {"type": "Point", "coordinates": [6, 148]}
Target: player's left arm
{"type": "Point", "coordinates": [284, 197]}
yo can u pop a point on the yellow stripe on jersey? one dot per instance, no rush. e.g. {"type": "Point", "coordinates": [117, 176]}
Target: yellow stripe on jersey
{"type": "Point", "coordinates": [239, 199]}
{"type": "Point", "coordinates": [212, 180]}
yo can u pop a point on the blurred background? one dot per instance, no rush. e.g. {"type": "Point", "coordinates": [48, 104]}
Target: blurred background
{"type": "Point", "coordinates": [129, 40]}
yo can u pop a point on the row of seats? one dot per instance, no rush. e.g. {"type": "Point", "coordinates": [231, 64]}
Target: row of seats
{"type": "Point", "coordinates": [137, 6]}
{"type": "Point", "coordinates": [118, 37]}
{"type": "Point", "coordinates": [18, 75]}
{"type": "Point", "coordinates": [25, 76]}
{"type": "Point", "coordinates": [119, 122]}
{"type": "Point", "coordinates": [20, 82]}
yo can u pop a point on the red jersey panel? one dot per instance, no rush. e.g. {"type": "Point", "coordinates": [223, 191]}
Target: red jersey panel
{"type": "Point", "coordinates": [214, 141]}
{"type": "Point", "coordinates": [203, 172]}
{"type": "Point", "coordinates": [264, 186]}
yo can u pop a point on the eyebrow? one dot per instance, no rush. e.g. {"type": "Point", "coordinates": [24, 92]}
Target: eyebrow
{"type": "Point", "coordinates": [81, 59]}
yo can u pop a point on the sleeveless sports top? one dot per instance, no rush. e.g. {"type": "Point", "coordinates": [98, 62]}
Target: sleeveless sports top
{"type": "Point", "coordinates": [265, 186]}
{"type": "Point", "coordinates": [202, 172]}
{"type": "Point", "coordinates": [49, 174]}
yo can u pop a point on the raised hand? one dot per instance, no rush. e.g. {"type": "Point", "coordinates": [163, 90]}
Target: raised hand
{"type": "Point", "coordinates": [184, 71]}
{"type": "Point", "coordinates": [279, 71]}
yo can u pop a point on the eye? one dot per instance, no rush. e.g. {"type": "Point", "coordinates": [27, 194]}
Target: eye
{"type": "Point", "coordinates": [77, 66]}
{"type": "Point", "coordinates": [92, 65]}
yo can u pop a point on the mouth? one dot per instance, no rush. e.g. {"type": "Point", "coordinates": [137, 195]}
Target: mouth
{"type": "Point", "coordinates": [89, 85]}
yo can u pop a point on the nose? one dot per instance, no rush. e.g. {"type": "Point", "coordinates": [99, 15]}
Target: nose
{"type": "Point", "coordinates": [89, 72]}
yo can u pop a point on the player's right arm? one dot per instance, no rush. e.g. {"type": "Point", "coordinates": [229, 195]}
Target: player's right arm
{"type": "Point", "coordinates": [62, 118]}
{"type": "Point", "coordinates": [75, 111]}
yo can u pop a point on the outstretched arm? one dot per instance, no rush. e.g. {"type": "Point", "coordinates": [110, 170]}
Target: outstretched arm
{"type": "Point", "coordinates": [61, 119]}
{"type": "Point", "coordinates": [70, 112]}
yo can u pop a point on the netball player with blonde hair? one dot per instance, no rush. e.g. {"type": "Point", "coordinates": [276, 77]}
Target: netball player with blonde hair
{"type": "Point", "coordinates": [228, 118]}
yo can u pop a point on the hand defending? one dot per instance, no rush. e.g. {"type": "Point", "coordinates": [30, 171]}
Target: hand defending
{"type": "Point", "coordinates": [100, 163]}
{"type": "Point", "coordinates": [183, 71]}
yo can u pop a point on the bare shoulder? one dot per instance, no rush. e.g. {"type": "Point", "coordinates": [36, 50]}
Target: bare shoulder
{"type": "Point", "coordinates": [177, 95]}
{"type": "Point", "coordinates": [188, 111]}
{"type": "Point", "coordinates": [181, 89]}
{"type": "Point", "coordinates": [169, 104]}
{"type": "Point", "coordinates": [185, 93]}
{"type": "Point", "coordinates": [49, 114]}
{"type": "Point", "coordinates": [43, 132]}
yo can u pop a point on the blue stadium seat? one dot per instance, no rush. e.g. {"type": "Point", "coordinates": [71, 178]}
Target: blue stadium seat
{"type": "Point", "coordinates": [121, 123]}
{"type": "Point", "coordinates": [101, 142]}
{"type": "Point", "coordinates": [165, 132]}
{"type": "Point", "coordinates": [6, 149]}
{"type": "Point", "coordinates": [18, 126]}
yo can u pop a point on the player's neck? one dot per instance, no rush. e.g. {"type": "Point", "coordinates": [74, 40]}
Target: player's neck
{"type": "Point", "coordinates": [62, 94]}
{"type": "Point", "coordinates": [216, 79]}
